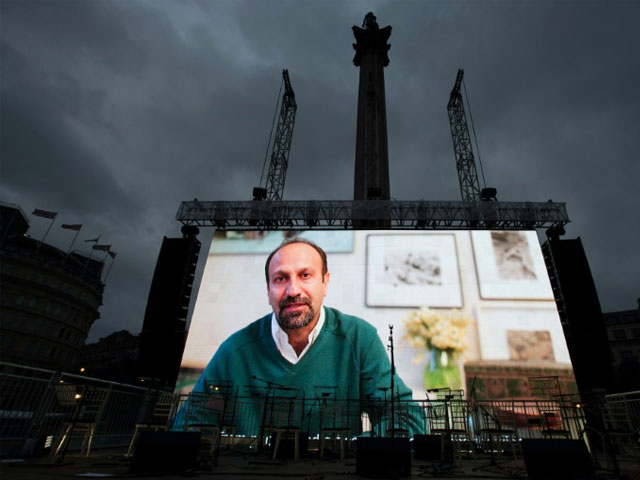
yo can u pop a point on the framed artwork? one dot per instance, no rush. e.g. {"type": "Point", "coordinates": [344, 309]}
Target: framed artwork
{"type": "Point", "coordinates": [530, 345]}
{"type": "Point", "coordinates": [522, 333]}
{"type": "Point", "coordinates": [250, 242]}
{"type": "Point", "coordinates": [510, 265]}
{"type": "Point", "coordinates": [405, 270]}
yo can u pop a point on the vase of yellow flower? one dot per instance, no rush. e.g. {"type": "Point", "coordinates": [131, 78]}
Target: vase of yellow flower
{"type": "Point", "coordinates": [443, 334]}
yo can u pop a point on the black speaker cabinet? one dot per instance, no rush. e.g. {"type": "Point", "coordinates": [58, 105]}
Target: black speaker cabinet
{"type": "Point", "coordinates": [427, 447]}
{"type": "Point", "coordinates": [557, 459]}
{"type": "Point", "coordinates": [379, 457]}
{"type": "Point", "coordinates": [165, 452]}
{"type": "Point", "coordinates": [287, 446]}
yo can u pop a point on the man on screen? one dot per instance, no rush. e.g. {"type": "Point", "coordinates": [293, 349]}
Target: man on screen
{"type": "Point", "coordinates": [302, 345]}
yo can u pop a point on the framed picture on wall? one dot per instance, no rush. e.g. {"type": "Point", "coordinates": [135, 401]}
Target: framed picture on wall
{"type": "Point", "coordinates": [510, 265]}
{"type": "Point", "coordinates": [261, 242]}
{"type": "Point", "coordinates": [412, 270]}
{"type": "Point", "coordinates": [521, 333]}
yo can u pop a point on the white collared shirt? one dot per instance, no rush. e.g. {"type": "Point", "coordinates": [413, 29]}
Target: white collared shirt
{"type": "Point", "coordinates": [282, 339]}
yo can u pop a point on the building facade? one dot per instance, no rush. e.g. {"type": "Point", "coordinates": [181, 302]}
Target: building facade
{"type": "Point", "coordinates": [49, 298]}
{"type": "Point", "coordinates": [114, 357]}
{"type": "Point", "coordinates": [623, 332]}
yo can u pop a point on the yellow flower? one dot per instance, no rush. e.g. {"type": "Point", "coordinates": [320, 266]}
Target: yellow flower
{"type": "Point", "coordinates": [442, 329]}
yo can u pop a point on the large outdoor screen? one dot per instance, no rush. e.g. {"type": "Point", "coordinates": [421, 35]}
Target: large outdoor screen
{"type": "Point", "coordinates": [471, 310]}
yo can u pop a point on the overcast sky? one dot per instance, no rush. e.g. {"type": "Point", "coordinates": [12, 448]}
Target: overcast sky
{"type": "Point", "coordinates": [115, 111]}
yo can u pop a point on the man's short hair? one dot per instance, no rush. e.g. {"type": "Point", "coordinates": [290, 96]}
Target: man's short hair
{"type": "Point", "coordinates": [289, 241]}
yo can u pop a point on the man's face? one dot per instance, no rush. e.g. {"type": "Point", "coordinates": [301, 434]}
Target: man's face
{"type": "Point", "coordinates": [296, 285]}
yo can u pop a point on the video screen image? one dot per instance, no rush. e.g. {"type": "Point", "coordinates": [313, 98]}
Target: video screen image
{"type": "Point", "coordinates": [471, 310]}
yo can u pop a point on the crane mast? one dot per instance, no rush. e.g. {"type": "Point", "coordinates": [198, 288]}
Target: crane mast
{"type": "Point", "coordinates": [465, 163]}
{"type": "Point", "coordinates": [282, 142]}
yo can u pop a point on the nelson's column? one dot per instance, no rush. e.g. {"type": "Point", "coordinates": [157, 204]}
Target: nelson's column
{"type": "Point", "coordinates": [372, 156]}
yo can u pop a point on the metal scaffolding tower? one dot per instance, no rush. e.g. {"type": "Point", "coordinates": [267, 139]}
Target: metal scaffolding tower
{"type": "Point", "coordinates": [282, 142]}
{"type": "Point", "coordinates": [465, 163]}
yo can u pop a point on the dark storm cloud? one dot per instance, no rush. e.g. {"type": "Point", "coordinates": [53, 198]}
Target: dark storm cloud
{"type": "Point", "coordinates": [42, 152]}
{"type": "Point", "coordinates": [113, 112]}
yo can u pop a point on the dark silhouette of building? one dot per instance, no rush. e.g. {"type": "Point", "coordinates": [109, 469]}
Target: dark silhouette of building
{"type": "Point", "coordinates": [623, 332]}
{"type": "Point", "coordinates": [164, 328]}
{"type": "Point", "coordinates": [114, 357]}
{"type": "Point", "coordinates": [49, 299]}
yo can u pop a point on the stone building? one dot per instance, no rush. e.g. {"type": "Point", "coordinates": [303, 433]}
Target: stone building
{"type": "Point", "coordinates": [48, 298]}
{"type": "Point", "coordinates": [114, 357]}
{"type": "Point", "coordinates": [623, 332]}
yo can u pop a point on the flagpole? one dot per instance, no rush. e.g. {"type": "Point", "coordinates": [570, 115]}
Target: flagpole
{"type": "Point", "coordinates": [88, 259]}
{"type": "Point", "coordinates": [113, 259]}
{"type": "Point", "coordinates": [104, 262]}
{"type": "Point", "coordinates": [73, 241]}
{"type": "Point", "coordinates": [47, 232]}
{"type": "Point", "coordinates": [104, 248]}
{"type": "Point", "coordinates": [94, 240]}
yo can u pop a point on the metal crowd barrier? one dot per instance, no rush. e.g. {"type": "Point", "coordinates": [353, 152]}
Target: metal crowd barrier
{"type": "Point", "coordinates": [621, 422]}
{"type": "Point", "coordinates": [35, 404]}
{"type": "Point", "coordinates": [527, 418]}
{"type": "Point", "coordinates": [625, 408]}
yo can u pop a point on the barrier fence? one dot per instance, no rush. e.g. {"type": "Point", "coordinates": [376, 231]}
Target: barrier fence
{"type": "Point", "coordinates": [38, 404]}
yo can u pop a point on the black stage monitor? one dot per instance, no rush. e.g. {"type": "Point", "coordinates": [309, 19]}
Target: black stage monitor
{"type": "Point", "coordinates": [383, 456]}
{"type": "Point", "coordinates": [165, 452]}
{"type": "Point", "coordinates": [557, 459]}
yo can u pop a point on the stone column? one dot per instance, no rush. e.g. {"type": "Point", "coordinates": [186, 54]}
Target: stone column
{"type": "Point", "coordinates": [372, 156]}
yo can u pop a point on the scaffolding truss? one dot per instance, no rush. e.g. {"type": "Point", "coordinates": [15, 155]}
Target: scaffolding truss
{"type": "Point", "coordinates": [364, 214]}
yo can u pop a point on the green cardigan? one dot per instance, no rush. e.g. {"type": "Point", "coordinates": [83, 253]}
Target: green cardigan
{"type": "Point", "coordinates": [347, 354]}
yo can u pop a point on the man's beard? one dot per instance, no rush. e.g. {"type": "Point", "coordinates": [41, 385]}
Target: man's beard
{"type": "Point", "coordinates": [296, 319]}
